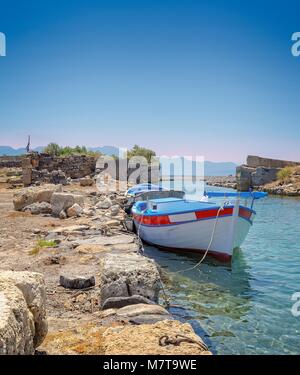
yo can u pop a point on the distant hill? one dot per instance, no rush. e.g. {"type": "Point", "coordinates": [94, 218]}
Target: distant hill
{"type": "Point", "coordinates": [210, 168]}
{"type": "Point", "coordinates": [219, 168]}
{"type": "Point", "coordinates": [10, 151]}
{"type": "Point", "coordinates": [106, 150]}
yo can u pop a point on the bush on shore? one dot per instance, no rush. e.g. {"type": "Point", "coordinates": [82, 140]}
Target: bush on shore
{"type": "Point", "coordinates": [285, 174]}
{"type": "Point", "coordinates": [54, 149]}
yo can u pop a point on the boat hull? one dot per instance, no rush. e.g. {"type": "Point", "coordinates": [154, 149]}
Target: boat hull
{"type": "Point", "coordinates": [195, 236]}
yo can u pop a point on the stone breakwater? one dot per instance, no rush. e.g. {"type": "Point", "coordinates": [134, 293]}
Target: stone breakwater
{"type": "Point", "coordinates": [101, 294]}
{"type": "Point", "coordinates": [221, 181]}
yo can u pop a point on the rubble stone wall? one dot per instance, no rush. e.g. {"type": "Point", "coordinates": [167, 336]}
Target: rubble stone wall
{"type": "Point", "coordinates": [11, 161]}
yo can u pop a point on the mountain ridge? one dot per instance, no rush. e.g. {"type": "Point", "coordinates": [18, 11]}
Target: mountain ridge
{"type": "Point", "coordinates": [210, 168]}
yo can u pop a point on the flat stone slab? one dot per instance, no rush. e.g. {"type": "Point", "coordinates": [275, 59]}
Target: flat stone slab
{"type": "Point", "coordinates": [119, 302]}
{"type": "Point", "coordinates": [70, 229]}
{"type": "Point", "coordinates": [104, 240]}
{"type": "Point", "coordinates": [149, 318]}
{"type": "Point", "coordinates": [141, 309]}
{"type": "Point", "coordinates": [98, 249]}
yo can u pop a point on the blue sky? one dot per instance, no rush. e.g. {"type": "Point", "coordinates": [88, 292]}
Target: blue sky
{"type": "Point", "coordinates": [184, 77]}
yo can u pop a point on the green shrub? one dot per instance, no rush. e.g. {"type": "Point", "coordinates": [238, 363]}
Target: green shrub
{"type": "Point", "coordinates": [55, 150]}
{"type": "Point", "coordinates": [285, 174]}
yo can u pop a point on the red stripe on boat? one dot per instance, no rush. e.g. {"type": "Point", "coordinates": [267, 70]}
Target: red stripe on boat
{"type": "Point", "coordinates": [213, 213]}
{"type": "Point", "coordinates": [153, 220]}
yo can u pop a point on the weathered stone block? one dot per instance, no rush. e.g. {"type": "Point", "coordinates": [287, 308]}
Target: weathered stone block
{"type": "Point", "coordinates": [63, 201]}
{"type": "Point", "coordinates": [31, 195]}
{"type": "Point", "coordinates": [124, 275]}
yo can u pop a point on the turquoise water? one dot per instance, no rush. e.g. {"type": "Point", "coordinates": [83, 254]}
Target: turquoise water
{"type": "Point", "coordinates": [245, 308]}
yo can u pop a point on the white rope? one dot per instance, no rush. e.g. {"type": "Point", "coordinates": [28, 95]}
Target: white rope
{"type": "Point", "coordinates": [210, 242]}
{"type": "Point", "coordinates": [138, 231]}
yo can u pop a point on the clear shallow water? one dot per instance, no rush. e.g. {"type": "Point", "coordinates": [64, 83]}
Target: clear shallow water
{"type": "Point", "coordinates": [245, 308]}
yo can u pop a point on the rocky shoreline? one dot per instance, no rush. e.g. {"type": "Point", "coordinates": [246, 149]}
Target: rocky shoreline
{"type": "Point", "coordinates": [222, 181]}
{"type": "Point", "coordinates": [96, 290]}
{"type": "Point", "coordinates": [290, 189]}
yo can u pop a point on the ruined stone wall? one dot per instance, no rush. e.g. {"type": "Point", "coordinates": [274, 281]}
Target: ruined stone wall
{"type": "Point", "coordinates": [53, 169]}
{"type": "Point", "coordinates": [259, 171]}
{"type": "Point", "coordinates": [75, 166]}
{"type": "Point", "coordinates": [257, 161]}
{"type": "Point", "coordinates": [11, 161]}
{"type": "Point", "coordinates": [46, 168]}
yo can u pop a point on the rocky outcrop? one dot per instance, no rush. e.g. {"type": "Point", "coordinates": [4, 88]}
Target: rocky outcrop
{"type": "Point", "coordinates": [146, 339]}
{"type": "Point", "coordinates": [23, 324]}
{"type": "Point", "coordinates": [30, 195]}
{"type": "Point", "coordinates": [124, 275]}
{"type": "Point", "coordinates": [62, 201]}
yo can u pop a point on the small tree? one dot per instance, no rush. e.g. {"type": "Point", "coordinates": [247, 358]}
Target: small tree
{"type": "Point", "coordinates": [141, 151]}
{"type": "Point", "coordinates": [52, 149]}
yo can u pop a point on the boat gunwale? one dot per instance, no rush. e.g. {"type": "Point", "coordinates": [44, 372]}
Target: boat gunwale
{"type": "Point", "coordinates": [152, 213]}
{"type": "Point", "coordinates": [189, 221]}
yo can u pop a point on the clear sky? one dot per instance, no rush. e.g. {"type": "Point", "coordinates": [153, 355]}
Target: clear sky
{"type": "Point", "coordinates": [184, 77]}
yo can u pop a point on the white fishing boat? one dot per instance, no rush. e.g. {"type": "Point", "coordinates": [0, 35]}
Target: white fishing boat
{"type": "Point", "coordinates": [196, 226]}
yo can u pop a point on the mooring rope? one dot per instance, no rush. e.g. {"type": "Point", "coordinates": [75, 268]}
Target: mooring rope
{"type": "Point", "coordinates": [178, 339]}
{"type": "Point", "coordinates": [210, 242]}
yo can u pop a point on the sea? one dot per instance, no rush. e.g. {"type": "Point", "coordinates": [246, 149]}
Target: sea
{"type": "Point", "coordinates": [253, 305]}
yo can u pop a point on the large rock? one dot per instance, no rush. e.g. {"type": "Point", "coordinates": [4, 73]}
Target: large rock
{"type": "Point", "coordinates": [75, 210]}
{"type": "Point", "coordinates": [35, 194]}
{"type": "Point", "coordinates": [124, 275]}
{"type": "Point", "coordinates": [63, 201]}
{"type": "Point", "coordinates": [145, 339]}
{"type": "Point", "coordinates": [23, 324]}
{"type": "Point", "coordinates": [38, 208]}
